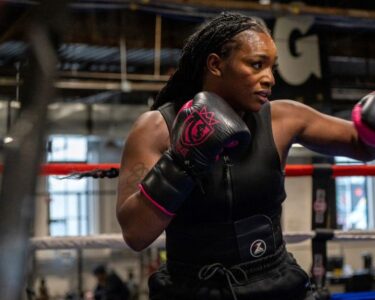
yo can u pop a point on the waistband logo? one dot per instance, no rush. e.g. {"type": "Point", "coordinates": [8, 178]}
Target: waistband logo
{"type": "Point", "coordinates": [258, 248]}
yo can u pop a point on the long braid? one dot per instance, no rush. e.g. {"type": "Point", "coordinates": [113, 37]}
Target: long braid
{"type": "Point", "coordinates": [212, 37]}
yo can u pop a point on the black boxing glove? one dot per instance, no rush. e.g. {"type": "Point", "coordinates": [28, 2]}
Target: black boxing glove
{"type": "Point", "coordinates": [201, 130]}
{"type": "Point", "coordinates": [363, 116]}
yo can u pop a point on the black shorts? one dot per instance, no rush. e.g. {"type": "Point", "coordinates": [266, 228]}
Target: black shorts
{"type": "Point", "coordinates": [278, 278]}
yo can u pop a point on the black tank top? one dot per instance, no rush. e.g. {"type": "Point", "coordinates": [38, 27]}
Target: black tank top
{"type": "Point", "coordinates": [252, 184]}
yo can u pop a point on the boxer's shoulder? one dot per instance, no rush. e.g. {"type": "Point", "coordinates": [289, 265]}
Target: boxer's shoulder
{"type": "Point", "coordinates": [151, 119]}
{"type": "Point", "coordinates": [150, 129]}
{"type": "Point", "coordinates": [290, 110]}
{"type": "Point", "coordinates": [281, 107]}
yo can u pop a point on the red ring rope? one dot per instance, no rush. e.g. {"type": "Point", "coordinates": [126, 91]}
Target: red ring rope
{"type": "Point", "coordinates": [337, 170]}
{"type": "Point", "coordinates": [290, 170]}
{"type": "Point", "coordinates": [359, 170]}
{"type": "Point", "coordinates": [66, 169]}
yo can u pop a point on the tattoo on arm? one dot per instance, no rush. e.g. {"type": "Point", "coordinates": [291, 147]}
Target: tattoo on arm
{"type": "Point", "coordinates": [135, 175]}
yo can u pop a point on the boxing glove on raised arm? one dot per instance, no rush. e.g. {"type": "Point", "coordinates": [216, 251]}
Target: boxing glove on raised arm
{"type": "Point", "coordinates": [203, 127]}
{"type": "Point", "coordinates": [363, 116]}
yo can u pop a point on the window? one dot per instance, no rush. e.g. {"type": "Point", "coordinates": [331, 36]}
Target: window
{"type": "Point", "coordinates": [68, 208]}
{"type": "Point", "coordinates": [67, 149]}
{"type": "Point", "coordinates": [354, 199]}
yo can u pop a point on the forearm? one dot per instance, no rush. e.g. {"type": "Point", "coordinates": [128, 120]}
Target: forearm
{"type": "Point", "coordinates": [140, 221]}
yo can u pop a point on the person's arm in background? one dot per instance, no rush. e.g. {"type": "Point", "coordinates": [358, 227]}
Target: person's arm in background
{"type": "Point", "coordinates": [323, 133]}
{"type": "Point", "coordinates": [140, 221]}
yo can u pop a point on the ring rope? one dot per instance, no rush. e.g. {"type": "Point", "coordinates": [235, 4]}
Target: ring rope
{"type": "Point", "coordinates": [354, 235]}
{"type": "Point", "coordinates": [290, 170]}
{"type": "Point", "coordinates": [116, 241]}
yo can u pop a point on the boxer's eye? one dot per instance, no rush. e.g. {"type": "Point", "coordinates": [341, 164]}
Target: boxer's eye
{"type": "Point", "coordinates": [257, 65]}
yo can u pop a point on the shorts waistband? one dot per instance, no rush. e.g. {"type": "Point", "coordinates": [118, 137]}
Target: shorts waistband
{"type": "Point", "coordinates": [249, 268]}
{"type": "Point", "coordinates": [238, 242]}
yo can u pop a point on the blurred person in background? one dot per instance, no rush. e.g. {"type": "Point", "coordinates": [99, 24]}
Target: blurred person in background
{"type": "Point", "coordinates": [109, 285]}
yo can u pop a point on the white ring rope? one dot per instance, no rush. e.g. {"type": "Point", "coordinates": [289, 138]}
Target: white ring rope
{"type": "Point", "coordinates": [354, 235]}
{"type": "Point", "coordinates": [113, 241]}
{"type": "Point", "coordinates": [116, 240]}
{"type": "Point", "coordinates": [298, 237]}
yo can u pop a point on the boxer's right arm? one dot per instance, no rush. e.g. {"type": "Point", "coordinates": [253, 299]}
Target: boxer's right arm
{"type": "Point", "coordinates": [202, 129]}
{"type": "Point", "coordinates": [141, 222]}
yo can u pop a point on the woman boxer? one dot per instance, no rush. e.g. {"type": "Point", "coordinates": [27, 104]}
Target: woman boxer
{"type": "Point", "coordinates": [206, 165]}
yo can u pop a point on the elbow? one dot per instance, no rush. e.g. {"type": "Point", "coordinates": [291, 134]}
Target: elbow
{"type": "Point", "coordinates": [131, 237]}
{"type": "Point", "coordinates": [137, 230]}
{"type": "Point", "coordinates": [130, 234]}
{"type": "Point", "coordinates": [134, 243]}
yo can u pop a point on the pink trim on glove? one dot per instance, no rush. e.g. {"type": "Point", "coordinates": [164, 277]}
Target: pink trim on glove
{"type": "Point", "coordinates": [142, 190]}
{"type": "Point", "coordinates": [186, 105]}
{"type": "Point", "coordinates": [366, 134]}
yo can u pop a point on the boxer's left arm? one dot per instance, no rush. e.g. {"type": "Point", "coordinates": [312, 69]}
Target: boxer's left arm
{"type": "Point", "coordinates": [322, 133]}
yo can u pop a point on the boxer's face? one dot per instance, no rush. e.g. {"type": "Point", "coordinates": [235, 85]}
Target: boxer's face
{"type": "Point", "coordinates": [247, 73]}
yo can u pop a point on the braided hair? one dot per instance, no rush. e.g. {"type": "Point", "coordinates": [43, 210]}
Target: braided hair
{"type": "Point", "coordinates": [213, 37]}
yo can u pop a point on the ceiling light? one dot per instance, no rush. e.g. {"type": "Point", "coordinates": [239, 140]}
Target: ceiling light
{"type": "Point", "coordinates": [265, 2]}
{"type": "Point", "coordinates": [8, 139]}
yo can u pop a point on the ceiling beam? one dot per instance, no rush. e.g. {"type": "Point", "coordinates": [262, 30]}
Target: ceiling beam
{"type": "Point", "coordinates": [295, 8]}
{"type": "Point", "coordinates": [77, 84]}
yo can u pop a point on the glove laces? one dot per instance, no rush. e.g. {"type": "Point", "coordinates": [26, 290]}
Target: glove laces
{"type": "Point", "coordinates": [208, 271]}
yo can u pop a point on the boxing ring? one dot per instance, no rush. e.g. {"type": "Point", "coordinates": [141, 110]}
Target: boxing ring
{"type": "Point", "coordinates": [320, 229]}
{"type": "Point", "coordinates": [323, 172]}
{"type": "Point", "coordinates": [320, 234]}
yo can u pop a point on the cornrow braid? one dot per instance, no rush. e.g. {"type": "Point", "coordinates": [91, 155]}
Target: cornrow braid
{"type": "Point", "coordinates": [212, 37]}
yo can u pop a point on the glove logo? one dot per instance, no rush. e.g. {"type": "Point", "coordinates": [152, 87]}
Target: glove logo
{"type": "Point", "coordinates": [258, 248]}
{"type": "Point", "coordinates": [198, 126]}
